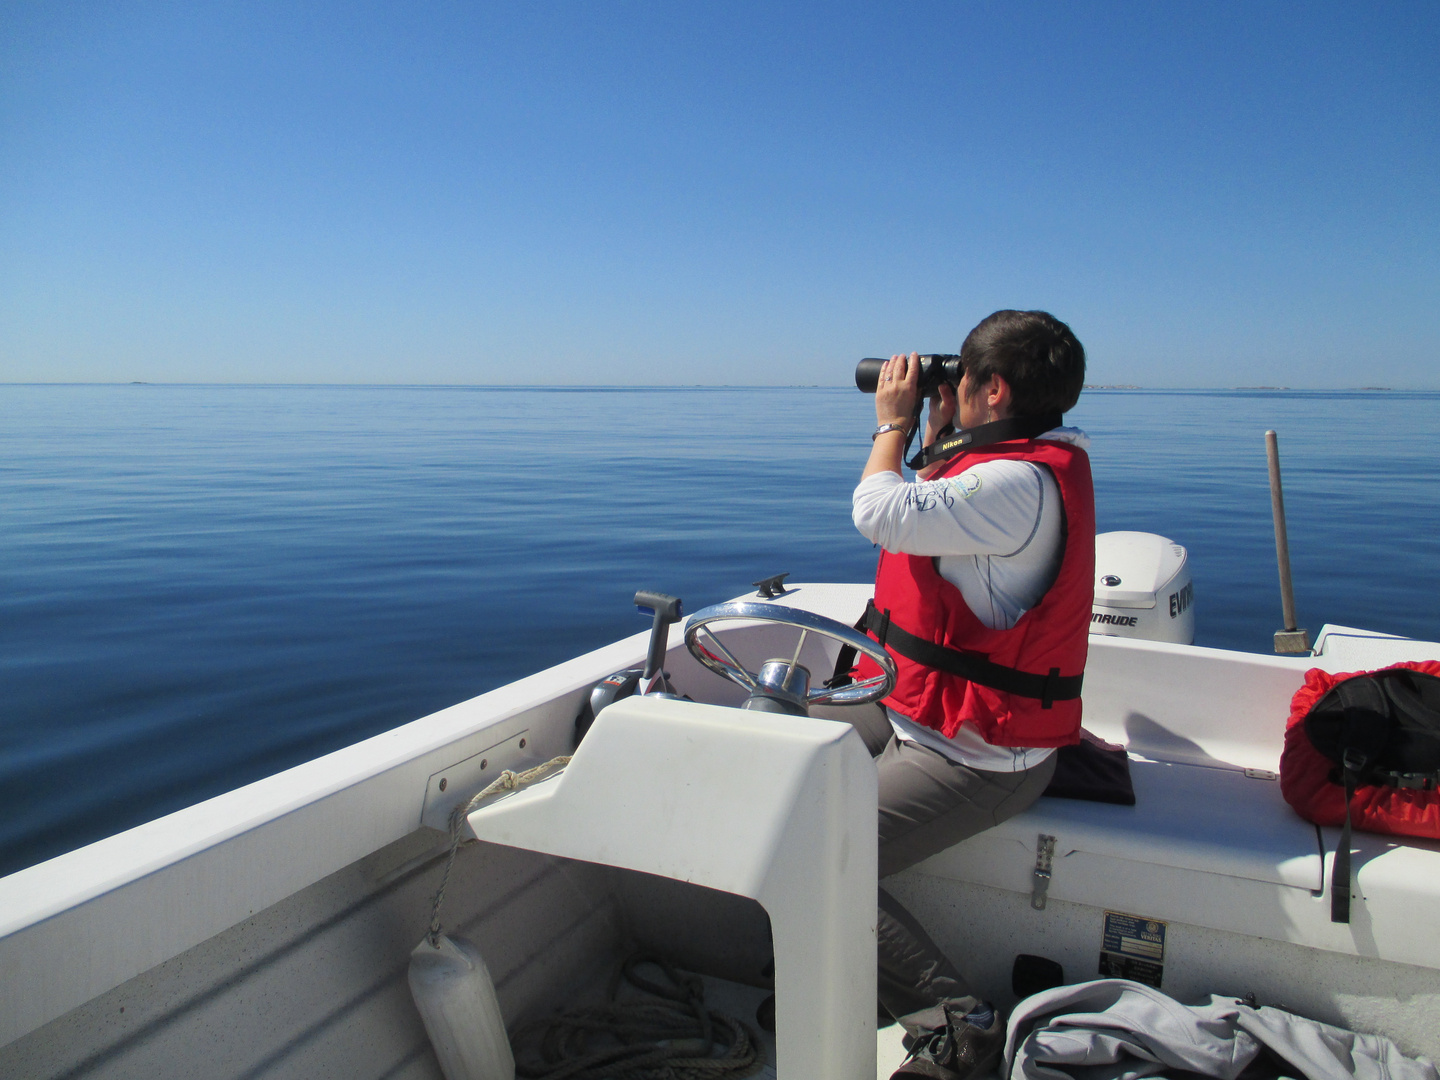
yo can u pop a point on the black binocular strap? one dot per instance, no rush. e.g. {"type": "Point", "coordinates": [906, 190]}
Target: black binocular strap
{"type": "Point", "coordinates": [952, 442]}
{"type": "Point", "coordinates": [1048, 688]}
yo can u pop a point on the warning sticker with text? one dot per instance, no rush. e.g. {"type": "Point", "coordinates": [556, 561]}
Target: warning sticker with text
{"type": "Point", "coordinates": [1132, 947]}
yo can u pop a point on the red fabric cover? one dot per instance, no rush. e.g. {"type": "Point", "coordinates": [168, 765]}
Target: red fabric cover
{"type": "Point", "coordinates": [1305, 774]}
{"type": "Point", "coordinates": [1054, 633]}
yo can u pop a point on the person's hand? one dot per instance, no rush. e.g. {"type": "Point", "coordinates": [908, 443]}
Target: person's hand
{"type": "Point", "coordinates": [897, 390]}
{"type": "Point", "coordinates": [896, 393]}
{"type": "Point", "coordinates": [942, 412]}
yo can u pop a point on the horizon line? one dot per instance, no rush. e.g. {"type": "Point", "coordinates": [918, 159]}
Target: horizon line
{"type": "Point", "coordinates": [1106, 387]}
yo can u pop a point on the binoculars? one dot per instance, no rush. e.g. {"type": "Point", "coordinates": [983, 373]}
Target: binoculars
{"type": "Point", "coordinates": [935, 368]}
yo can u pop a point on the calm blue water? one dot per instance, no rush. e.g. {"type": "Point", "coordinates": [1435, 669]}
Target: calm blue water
{"type": "Point", "coordinates": [200, 586]}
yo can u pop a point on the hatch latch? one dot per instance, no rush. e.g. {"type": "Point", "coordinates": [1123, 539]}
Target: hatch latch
{"type": "Point", "coordinates": [1044, 857]}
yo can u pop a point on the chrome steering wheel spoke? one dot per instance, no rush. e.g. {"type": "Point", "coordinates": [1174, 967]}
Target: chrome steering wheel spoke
{"type": "Point", "coordinates": [713, 654]}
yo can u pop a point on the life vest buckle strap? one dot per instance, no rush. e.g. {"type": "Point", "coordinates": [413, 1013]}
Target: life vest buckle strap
{"type": "Point", "coordinates": [973, 667]}
{"type": "Point", "coordinates": [1047, 696]}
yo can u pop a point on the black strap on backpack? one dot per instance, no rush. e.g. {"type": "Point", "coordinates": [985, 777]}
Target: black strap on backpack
{"type": "Point", "coordinates": [973, 667]}
{"type": "Point", "coordinates": [1381, 728]}
{"type": "Point", "coordinates": [1362, 740]}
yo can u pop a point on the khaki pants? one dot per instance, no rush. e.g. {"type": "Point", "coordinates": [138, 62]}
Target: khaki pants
{"type": "Point", "coordinates": [927, 804]}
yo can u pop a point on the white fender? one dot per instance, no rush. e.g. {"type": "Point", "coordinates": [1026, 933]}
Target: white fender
{"type": "Point", "coordinates": [456, 998]}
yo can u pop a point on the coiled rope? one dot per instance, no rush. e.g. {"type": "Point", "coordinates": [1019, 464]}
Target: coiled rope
{"type": "Point", "coordinates": [667, 1035]}
{"type": "Point", "coordinates": [506, 781]}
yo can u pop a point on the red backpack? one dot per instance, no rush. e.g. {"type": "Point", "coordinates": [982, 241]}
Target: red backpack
{"type": "Point", "coordinates": [1362, 749]}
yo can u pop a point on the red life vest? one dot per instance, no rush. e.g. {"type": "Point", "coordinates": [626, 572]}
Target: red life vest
{"type": "Point", "coordinates": [1052, 638]}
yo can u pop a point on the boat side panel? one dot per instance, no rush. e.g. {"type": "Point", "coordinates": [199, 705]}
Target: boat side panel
{"type": "Point", "coordinates": [316, 985]}
{"type": "Point", "coordinates": [984, 928]}
{"type": "Point", "coordinates": [1190, 705]}
{"type": "Point", "coordinates": [1346, 648]}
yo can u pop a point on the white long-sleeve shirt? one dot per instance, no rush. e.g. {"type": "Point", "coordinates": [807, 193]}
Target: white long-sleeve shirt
{"type": "Point", "coordinates": [995, 530]}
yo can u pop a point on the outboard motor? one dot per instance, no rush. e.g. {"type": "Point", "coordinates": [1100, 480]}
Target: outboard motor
{"type": "Point", "coordinates": [1143, 588]}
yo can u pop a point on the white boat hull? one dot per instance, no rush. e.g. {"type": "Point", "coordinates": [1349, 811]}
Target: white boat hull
{"type": "Point", "coordinates": [266, 932]}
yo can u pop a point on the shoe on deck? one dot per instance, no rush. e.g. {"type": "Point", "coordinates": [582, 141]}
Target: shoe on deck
{"type": "Point", "coordinates": [967, 1047]}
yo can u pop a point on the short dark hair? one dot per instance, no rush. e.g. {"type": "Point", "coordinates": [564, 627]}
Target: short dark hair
{"type": "Point", "coordinates": [1035, 353]}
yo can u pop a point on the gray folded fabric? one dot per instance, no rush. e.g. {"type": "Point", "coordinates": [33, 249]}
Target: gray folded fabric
{"type": "Point", "coordinates": [1114, 1029]}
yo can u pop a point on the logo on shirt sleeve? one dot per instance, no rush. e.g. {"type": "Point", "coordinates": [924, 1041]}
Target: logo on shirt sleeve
{"type": "Point", "coordinates": [967, 483]}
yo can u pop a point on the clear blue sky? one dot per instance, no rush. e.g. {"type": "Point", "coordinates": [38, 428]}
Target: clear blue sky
{"type": "Point", "coordinates": [1212, 194]}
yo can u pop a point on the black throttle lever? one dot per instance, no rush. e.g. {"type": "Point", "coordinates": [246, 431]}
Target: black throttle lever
{"type": "Point", "coordinates": [667, 612]}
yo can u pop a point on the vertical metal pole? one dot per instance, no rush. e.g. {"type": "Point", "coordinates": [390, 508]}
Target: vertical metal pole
{"type": "Point", "coordinates": [1290, 639]}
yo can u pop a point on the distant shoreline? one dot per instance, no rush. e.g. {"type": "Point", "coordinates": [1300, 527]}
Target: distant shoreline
{"type": "Point", "coordinates": [649, 387]}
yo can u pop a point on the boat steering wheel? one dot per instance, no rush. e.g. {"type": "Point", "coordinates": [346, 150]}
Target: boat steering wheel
{"type": "Point", "coordinates": [784, 685]}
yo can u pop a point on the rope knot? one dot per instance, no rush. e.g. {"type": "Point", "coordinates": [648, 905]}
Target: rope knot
{"type": "Point", "coordinates": [508, 780]}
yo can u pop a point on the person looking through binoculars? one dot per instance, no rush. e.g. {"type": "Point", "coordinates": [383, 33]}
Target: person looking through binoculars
{"type": "Point", "coordinates": [983, 597]}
